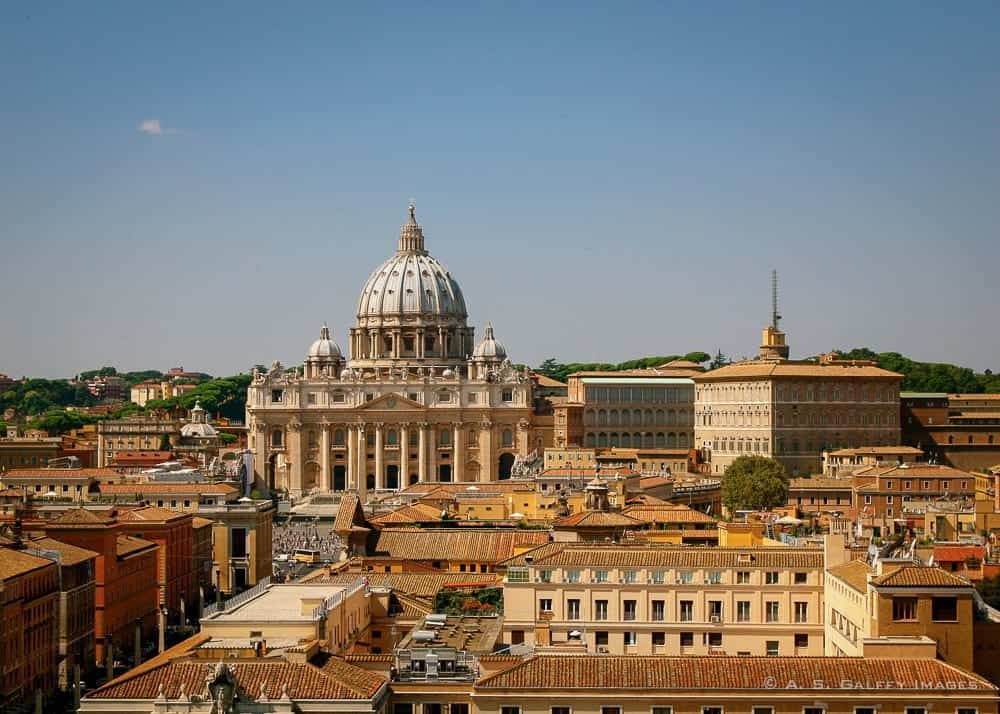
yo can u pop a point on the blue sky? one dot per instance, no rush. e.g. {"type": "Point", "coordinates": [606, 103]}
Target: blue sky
{"type": "Point", "coordinates": [605, 181]}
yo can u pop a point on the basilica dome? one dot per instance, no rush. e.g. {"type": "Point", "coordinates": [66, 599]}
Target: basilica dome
{"type": "Point", "coordinates": [324, 347]}
{"type": "Point", "coordinates": [490, 347]}
{"type": "Point", "coordinates": [411, 282]}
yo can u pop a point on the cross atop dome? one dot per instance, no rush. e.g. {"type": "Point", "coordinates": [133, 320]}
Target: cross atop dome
{"type": "Point", "coordinates": [411, 237]}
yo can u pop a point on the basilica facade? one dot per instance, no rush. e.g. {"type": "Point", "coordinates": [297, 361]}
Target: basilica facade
{"type": "Point", "coordinates": [417, 399]}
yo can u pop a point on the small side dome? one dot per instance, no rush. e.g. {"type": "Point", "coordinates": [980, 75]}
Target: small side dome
{"type": "Point", "coordinates": [324, 347]}
{"type": "Point", "coordinates": [490, 347]}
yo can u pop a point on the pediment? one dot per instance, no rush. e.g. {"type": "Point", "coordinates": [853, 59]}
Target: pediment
{"type": "Point", "coordinates": [390, 402]}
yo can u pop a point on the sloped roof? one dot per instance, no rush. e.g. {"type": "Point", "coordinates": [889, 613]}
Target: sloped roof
{"type": "Point", "coordinates": [763, 368]}
{"type": "Point", "coordinates": [473, 544]}
{"type": "Point", "coordinates": [855, 573]}
{"type": "Point", "coordinates": [727, 673]}
{"type": "Point", "coordinates": [80, 517]}
{"type": "Point", "coordinates": [16, 562]}
{"type": "Point", "coordinates": [918, 576]}
{"type": "Point", "coordinates": [62, 474]}
{"type": "Point", "coordinates": [334, 680]}
{"type": "Point", "coordinates": [669, 556]}
{"type": "Point", "coordinates": [127, 545]}
{"type": "Point", "coordinates": [597, 519]}
{"type": "Point", "coordinates": [952, 553]}
{"type": "Point", "coordinates": [415, 513]}
{"type": "Point", "coordinates": [667, 513]}
{"type": "Point", "coordinates": [68, 554]}
{"type": "Point", "coordinates": [350, 515]}
{"type": "Point", "coordinates": [151, 514]}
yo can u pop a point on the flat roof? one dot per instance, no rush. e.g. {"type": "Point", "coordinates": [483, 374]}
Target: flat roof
{"type": "Point", "coordinates": [631, 381]}
{"type": "Point", "coordinates": [282, 603]}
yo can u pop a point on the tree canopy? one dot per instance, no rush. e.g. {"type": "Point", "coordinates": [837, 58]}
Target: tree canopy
{"type": "Point", "coordinates": [929, 376]}
{"type": "Point", "coordinates": [226, 396]}
{"type": "Point", "coordinates": [754, 482]}
{"type": "Point", "coordinates": [560, 370]}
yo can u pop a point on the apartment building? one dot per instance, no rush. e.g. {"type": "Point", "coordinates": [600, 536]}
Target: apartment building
{"type": "Point", "coordinates": [640, 600]}
{"type": "Point", "coordinates": [241, 541]}
{"type": "Point", "coordinates": [894, 608]}
{"type": "Point", "coordinates": [889, 497]}
{"type": "Point", "coordinates": [135, 434]}
{"type": "Point", "coordinates": [636, 408]}
{"type": "Point", "coordinates": [29, 592]}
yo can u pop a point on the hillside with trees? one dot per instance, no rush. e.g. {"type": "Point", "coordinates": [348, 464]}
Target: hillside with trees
{"type": "Point", "coordinates": [560, 370]}
{"type": "Point", "coordinates": [929, 376]}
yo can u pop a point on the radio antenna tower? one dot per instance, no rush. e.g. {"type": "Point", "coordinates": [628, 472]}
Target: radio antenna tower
{"type": "Point", "coordinates": [775, 317]}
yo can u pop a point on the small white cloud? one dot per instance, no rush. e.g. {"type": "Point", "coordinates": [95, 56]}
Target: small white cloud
{"type": "Point", "coordinates": [153, 127]}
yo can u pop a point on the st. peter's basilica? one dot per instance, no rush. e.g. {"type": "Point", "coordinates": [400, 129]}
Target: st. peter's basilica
{"type": "Point", "coordinates": [417, 399]}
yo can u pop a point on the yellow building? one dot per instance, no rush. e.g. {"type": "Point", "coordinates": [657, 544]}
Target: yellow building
{"type": "Point", "coordinates": [667, 600]}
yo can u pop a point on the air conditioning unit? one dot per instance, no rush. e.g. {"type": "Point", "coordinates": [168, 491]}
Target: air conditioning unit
{"type": "Point", "coordinates": [716, 618]}
{"type": "Point", "coordinates": [603, 650]}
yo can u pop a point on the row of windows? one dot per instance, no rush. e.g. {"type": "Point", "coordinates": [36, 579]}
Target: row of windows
{"type": "Point", "coordinates": [652, 395]}
{"type": "Point", "coordinates": [685, 610]}
{"type": "Point", "coordinates": [392, 437]}
{"type": "Point", "coordinates": [794, 393]}
{"type": "Point", "coordinates": [648, 440]}
{"type": "Point", "coordinates": [796, 419]}
{"type": "Point", "coordinates": [659, 577]}
{"type": "Point", "coordinates": [444, 397]}
{"type": "Point", "coordinates": [638, 417]}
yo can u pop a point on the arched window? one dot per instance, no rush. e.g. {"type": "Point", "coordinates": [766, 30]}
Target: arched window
{"type": "Point", "coordinates": [647, 416]}
{"type": "Point", "coordinates": [613, 417]}
{"type": "Point", "coordinates": [661, 440]}
{"type": "Point", "coordinates": [391, 438]}
{"type": "Point", "coordinates": [614, 439]}
{"type": "Point", "coordinates": [626, 417]}
{"type": "Point", "coordinates": [338, 437]}
{"type": "Point", "coordinates": [602, 417]}
{"type": "Point", "coordinates": [602, 439]}
{"type": "Point", "coordinates": [507, 438]}
{"type": "Point", "coordinates": [682, 440]}
{"type": "Point", "coordinates": [648, 441]}
{"type": "Point", "coordinates": [627, 440]}
{"type": "Point", "coordinates": [276, 437]}
{"type": "Point", "coordinates": [588, 416]}
{"type": "Point", "coordinates": [660, 416]}
{"type": "Point", "coordinates": [636, 417]}
{"type": "Point", "coordinates": [590, 440]}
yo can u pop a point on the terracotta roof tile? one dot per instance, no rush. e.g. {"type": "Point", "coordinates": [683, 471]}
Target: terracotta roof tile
{"type": "Point", "coordinates": [953, 553]}
{"type": "Point", "coordinates": [61, 474]}
{"type": "Point", "coordinates": [151, 514]}
{"type": "Point", "coordinates": [669, 556]}
{"type": "Point", "coordinates": [68, 554]}
{"type": "Point", "coordinates": [726, 673]}
{"type": "Point", "coordinates": [199, 522]}
{"type": "Point", "coordinates": [759, 368]}
{"type": "Point", "coordinates": [335, 680]}
{"type": "Point", "coordinates": [350, 515]}
{"type": "Point", "coordinates": [81, 517]}
{"type": "Point", "coordinates": [415, 513]}
{"type": "Point", "coordinates": [477, 545]}
{"type": "Point", "coordinates": [667, 513]}
{"type": "Point", "coordinates": [424, 585]}
{"type": "Point", "coordinates": [17, 562]}
{"type": "Point", "coordinates": [916, 576]}
{"type": "Point", "coordinates": [131, 489]}
{"type": "Point", "coordinates": [598, 519]}
{"type": "Point", "coordinates": [855, 573]}
{"type": "Point", "coordinates": [127, 545]}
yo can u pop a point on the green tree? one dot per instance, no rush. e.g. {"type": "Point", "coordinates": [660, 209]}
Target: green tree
{"type": "Point", "coordinates": [754, 483]}
{"type": "Point", "coordinates": [699, 357]}
{"type": "Point", "coordinates": [720, 360]}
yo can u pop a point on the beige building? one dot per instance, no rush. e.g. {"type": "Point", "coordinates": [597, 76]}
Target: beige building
{"type": "Point", "coordinates": [793, 411]}
{"type": "Point", "coordinates": [883, 610]}
{"type": "Point", "coordinates": [637, 408]}
{"type": "Point", "coordinates": [640, 600]}
{"type": "Point", "coordinates": [417, 400]}
{"type": "Point", "coordinates": [134, 434]}
{"type": "Point", "coordinates": [241, 541]}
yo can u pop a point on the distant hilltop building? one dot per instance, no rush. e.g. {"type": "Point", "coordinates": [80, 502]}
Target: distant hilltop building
{"type": "Point", "coordinates": [793, 410]}
{"type": "Point", "coordinates": [417, 398]}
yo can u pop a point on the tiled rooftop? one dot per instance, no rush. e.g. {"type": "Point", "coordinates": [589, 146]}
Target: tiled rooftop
{"type": "Point", "coordinates": [17, 562]}
{"type": "Point", "coordinates": [730, 673]}
{"type": "Point", "coordinates": [472, 544]}
{"type": "Point", "coordinates": [667, 513]}
{"type": "Point", "coordinates": [855, 573]}
{"type": "Point", "coordinates": [668, 556]}
{"type": "Point", "coordinates": [68, 554]}
{"type": "Point", "coordinates": [755, 368]}
{"type": "Point", "coordinates": [916, 576]}
{"type": "Point", "coordinates": [598, 519]}
{"type": "Point", "coordinates": [423, 585]}
{"type": "Point", "coordinates": [127, 545]}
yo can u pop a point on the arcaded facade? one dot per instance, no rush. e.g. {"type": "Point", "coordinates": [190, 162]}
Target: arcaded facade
{"type": "Point", "coordinates": [417, 400]}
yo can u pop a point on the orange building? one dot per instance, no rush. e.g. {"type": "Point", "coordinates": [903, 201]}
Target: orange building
{"type": "Point", "coordinates": [885, 496]}
{"type": "Point", "coordinates": [126, 575]}
{"type": "Point", "coordinates": [29, 592]}
{"type": "Point", "coordinates": [174, 533]}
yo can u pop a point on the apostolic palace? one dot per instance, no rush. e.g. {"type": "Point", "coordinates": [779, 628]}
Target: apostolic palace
{"type": "Point", "coordinates": [418, 399]}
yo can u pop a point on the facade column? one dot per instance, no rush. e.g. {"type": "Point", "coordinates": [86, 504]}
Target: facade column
{"type": "Point", "coordinates": [432, 459]}
{"type": "Point", "coordinates": [523, 445]}
{"type": "Point", "coordinates": [458, 452]}
{"type": "Point", "coordinates": [404, 455]}
{"type": "Point", "coordinates": [441, 342]}
{"type": "Point", "coordinates": [422, 454]}
{"type": "Point", "coordinates": [379, 457]}
{"type": "Point", "coordinates": [420, 342]}
{"type": "Point", "coordinates": [352, 458]}
{"type": "Point", "coordinates": [326, 482]}
{"type": "Point", "coordinates": [363, 456]}
{"type": "Point", "coordinates": [488, 469]}
{"type": "Point", "coordinates": [294, 452]}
